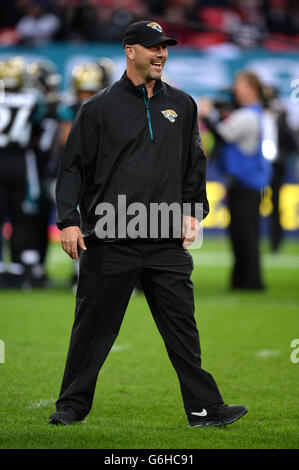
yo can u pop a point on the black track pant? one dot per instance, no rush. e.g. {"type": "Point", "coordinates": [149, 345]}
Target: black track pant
{"type": "Point", "coordinates": [12, 195]}
{"type": "Point", "coordinates": [244, 231]}
{"type": "Point", "coordinates": [108, 274]}
{"type": "Point", "coordinates": [276, 230]}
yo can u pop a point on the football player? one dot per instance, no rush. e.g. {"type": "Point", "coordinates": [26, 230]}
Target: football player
{"type": "Point", "coordinates": [43, 79]}
{"type": "Point", "coordinates": [19, 124]}
{"type": "Point", "coordinates": [86, 80]}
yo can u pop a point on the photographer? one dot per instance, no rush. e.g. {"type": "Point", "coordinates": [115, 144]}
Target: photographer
{"type": "Point", "coordinates": [241, 158]}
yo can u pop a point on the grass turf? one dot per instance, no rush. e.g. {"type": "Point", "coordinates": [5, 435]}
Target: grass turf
{"type": "Point", "coordinates": [245, 339]}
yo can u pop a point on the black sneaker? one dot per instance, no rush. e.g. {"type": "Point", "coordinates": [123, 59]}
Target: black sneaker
{"type": "Point", "coordinates": [65, 417]}
{"type": "Point", "coordinates": [216, 415]}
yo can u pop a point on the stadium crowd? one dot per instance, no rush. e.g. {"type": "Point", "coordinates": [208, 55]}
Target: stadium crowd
{"type": "Point", "coordinates": [192, 22]}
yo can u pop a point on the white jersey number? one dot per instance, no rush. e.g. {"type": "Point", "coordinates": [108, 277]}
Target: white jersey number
{"type": "Point", "coordinates": [14, 126]}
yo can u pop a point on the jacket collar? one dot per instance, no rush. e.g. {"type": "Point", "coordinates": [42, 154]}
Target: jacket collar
{"type": "Point", "coordinates": [139, 88]}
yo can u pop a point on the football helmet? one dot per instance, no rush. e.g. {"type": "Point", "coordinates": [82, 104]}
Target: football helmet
{"type": "Point", "coordinates": [43, 75]}
{"type": "Point", "coordinates": [12, 72]}
{"type": "Point", "coordinates": [87, 77]}
{"type": "Point", "coordinates": [108, 67]}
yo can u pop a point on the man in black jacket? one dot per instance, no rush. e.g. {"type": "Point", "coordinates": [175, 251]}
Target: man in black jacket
{"type": "Point", "coordinates": [137, 140]}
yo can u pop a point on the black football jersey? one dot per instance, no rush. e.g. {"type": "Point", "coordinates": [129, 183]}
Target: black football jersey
{"type": "Point", "coordinates": [17, 114]}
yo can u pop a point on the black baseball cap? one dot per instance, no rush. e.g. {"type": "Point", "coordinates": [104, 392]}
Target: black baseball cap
{"type": "Point", "coordinates": [146, 33]}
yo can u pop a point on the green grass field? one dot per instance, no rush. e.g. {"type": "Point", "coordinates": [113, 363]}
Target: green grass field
{"type": "Point", "coordinates": [245, 339]}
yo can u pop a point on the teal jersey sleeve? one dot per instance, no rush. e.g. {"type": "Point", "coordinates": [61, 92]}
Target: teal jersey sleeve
{"type": "Point", "coordinates": [65, 113]}
{"type": "Point", "coordinates": [39, 112]}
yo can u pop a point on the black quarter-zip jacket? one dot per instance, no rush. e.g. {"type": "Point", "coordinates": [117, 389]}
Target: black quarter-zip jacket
{"type": "Point", "coordinates": [124, 143]}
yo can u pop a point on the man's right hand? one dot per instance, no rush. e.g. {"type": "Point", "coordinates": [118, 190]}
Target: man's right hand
{"type": "Point", "coordinates": [69, 238]}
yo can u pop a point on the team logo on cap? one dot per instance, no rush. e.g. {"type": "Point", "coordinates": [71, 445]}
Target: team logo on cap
{"type": "Point", "coordinates": [155, 26]}
{"type": "Point", "coordinates": [170, 114]}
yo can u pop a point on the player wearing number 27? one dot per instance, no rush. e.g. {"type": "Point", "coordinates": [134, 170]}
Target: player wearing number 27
{"type": "Point", "coordinates": [18, 115]}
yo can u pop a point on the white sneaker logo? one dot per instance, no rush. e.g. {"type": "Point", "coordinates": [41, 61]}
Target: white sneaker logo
{"type": "Point", "coordinates": [202, 413]}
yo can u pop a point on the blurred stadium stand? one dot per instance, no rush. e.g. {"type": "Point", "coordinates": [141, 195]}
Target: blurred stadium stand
{"type": "Point", "coordinates": [271, 23]}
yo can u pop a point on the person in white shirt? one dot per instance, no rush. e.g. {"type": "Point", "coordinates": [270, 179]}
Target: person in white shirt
{"type": "Point", "coordinates": [248, 173]}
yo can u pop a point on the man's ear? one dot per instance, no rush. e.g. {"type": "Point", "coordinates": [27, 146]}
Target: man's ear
{"type": "Point", "coordinates": [130, 52]}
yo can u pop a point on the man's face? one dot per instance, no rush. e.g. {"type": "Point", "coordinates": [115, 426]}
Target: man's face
{"type": "Point", "coordinates": [149, 61]}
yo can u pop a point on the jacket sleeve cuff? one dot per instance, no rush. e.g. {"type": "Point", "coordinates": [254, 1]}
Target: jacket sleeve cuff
{"type": "Point", "coordinates": [62, 225]}
{"type": "Point", "coordinates": [197, 210]}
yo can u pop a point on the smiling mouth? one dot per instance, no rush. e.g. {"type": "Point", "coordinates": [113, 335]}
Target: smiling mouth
{"type": "Point", "coordinates": [157, 65]}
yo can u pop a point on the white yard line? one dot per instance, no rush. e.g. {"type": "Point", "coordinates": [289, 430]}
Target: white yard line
{"type": "Point", "coordinates": [41, 403]}
{"type": "Point", "coordinates": [225, 259]}
{"type": "Point", "coordinates": [267, 353]}
{"type": "Point", "coordinates": [211, 258]}
{"type": "Point", "coordinates": [119, 347]}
